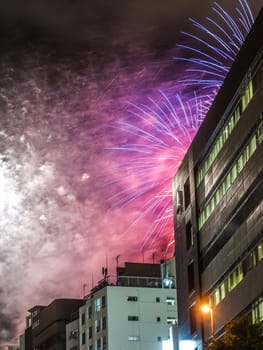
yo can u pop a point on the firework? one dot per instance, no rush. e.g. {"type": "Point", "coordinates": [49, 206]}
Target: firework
{"type": "Point", "coordinates": [160, 131]}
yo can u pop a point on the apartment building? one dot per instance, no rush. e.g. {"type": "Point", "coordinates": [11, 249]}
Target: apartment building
{"type": "Point", "coordinates": [133, 313]}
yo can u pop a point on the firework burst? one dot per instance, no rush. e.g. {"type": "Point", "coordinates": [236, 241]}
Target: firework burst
{"type": "Point", "coordinates": [159, 131]}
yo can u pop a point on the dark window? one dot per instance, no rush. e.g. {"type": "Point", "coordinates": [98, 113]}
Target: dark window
{"type": "Point", "coordinates": [179, 201]}
{"type": "Point", "coordinates": [98, 325]}
{"type": "Point", "coordinates": [157, 299]}
{"type": "Point", "coordinates": [103, 301]}
{"type": "Point", "coordinates": [191, 277]}
{"type": "Point", "coordinates": [104, 343]}
{"type": "Point", "coordinates": [189, 235]}
{"type": "Point", "coordinates": [192, 317]}
{"type": "Point", "coordinates": [158, 319]}
{"type": "Point", "coordinates": [186, 193]}
{"type": "Point", "coordinates": [99, 344]}
{"type": "Point", "coordinates": [90, 332]}
{"type": "Point", "coordinates": [133, 318]}
{"type": "Point", "coordinates": [83, 318]}
{"type": "Point", "coordinates": [91, 347]}
{"type": "Point", "coordinates": [104, 322]}
{"type": "Point", "coordinates": [159, 338]}
{"type": "Point", "coordinates": [90, 311]}
{"type": "Point", "coordinates": [83, 338]}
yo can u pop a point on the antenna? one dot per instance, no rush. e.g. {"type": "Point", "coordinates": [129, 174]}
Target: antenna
{"type": "Point", "coordinates": [117, 260]}
{"type": "Point", "coordinates": [84, 290]}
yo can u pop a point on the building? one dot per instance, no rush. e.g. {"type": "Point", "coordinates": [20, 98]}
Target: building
{"type": "Point", "coordinates": [218, 194]}
{"type": "Point", "coordinates": [133, 313]}
{"type": "Point", "coordinates": [46, 325]}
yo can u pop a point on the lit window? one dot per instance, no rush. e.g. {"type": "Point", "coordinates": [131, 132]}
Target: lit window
{"type": "Point", "coordinates": [257, 311]}
{"type": "Point", "coordinates": [260, 252]}
{"type": "Point", "coordinates": [171, 320]}
{"type": "Point", "coordinates": [133, 338]}
{"type": "Point", "coordinates": [98, 304]}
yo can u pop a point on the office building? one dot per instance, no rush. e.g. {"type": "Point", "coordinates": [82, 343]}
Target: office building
{"type": "Point", "coordinates": [218, 194]}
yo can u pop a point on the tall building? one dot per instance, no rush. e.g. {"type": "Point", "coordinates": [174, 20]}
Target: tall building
{"type": "Point", "coordinates": [46, 325]}
{"type": "Point", "coordinates": [133, 313]}
{"type": "Point", "coordinates": [218, 205]}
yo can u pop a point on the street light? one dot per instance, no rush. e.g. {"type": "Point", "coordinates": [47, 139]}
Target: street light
{"type": "Point", "coordinates": [208, 309]}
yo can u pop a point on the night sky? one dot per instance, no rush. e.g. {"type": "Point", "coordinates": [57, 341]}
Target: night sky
{"type": "Point", "coordinates": [95, 117]}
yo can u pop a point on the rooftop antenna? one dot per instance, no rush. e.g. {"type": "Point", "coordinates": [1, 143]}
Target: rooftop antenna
{"type": "Point", "coordinates": [117, 265]}
{"type": "Point", "coordinates": [84, 290]}
{"type": "Point", "coordinates": [117, 260]}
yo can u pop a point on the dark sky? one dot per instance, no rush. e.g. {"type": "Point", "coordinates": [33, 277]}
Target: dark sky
{"type": "Point", "coordinates": [83, 156]}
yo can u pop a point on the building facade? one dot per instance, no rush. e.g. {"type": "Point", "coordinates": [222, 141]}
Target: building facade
{"type": "Point", "coordinates": [46, 325]}
{"type": "Point", "coordinates": [133, 314]}
{"type": "Point", "coordinates": [218, 192]}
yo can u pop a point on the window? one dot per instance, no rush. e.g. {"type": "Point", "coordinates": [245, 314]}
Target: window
{"type": "Point", "coordinates": [132, 298]}
{"type": "Point", "coordinates": [247, 95]}
{"type": "Point", "coordinates": [90, 332]}
{"type": "Point", "coordinates": [191, 277]}
{"type": "Point", "coordinates": [257, 311]}
{"type": "Point", "coordinates": [260, 252]}
{"type": "Point", "coordinates": [228, 180]}
{"type": "Point", "coordinates": [170, 301]}
{"type": "Point", "coordinates": [133, 338]}
{"type": "Point", "coordinates": [159, 338]}
{"type": "Point", "coordinates": [98, 325]}
{"type": "Point", "coordinates": [189, 235]}
{"type": "Point", "coordinates": [104, 322]}
{"type": "Point", "coordinates": [82, 319]}
{"type": "Point", "coordinates": [103, 301]}
{"type": "Point", "coordinates": [104, 343]}
{"type": "Point", "coordinates": [98, 304]}
{"type": "Point", "coordinates": [237, 275]}
{"type": "Point", "coordinates": [90, 312]}
{"type": "Point", "coordinates": [158, 319]}
{"type": "Point", "coordinates": [179, 201]}
{"type": "Point", "coordinates": [74, 334]}
{"type": "Point", "coordinates": [98, 344]}
{"type": "Point", "coordinates": [157, 299]}
{"type": "Point", "coordinates": [91, 347]}
{"type": "Point", "coordinates": [133, 318]}
{"type": "Point", "coordinates": [83, 338]}
{"type": "Point", "coordinates": [171, 320]}
{"type": "Point", "coordinates": [186, 193]}
{"type": "Point", "coordinates": [192, 318]}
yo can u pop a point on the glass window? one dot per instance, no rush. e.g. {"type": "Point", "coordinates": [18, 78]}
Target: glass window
{"type": "Point", "coordinates": [170, 301]}
{"type": "Point", "coordinates": [98, 304]}
{"type": "Point", "coordinates": [83, 338]}
{"type": "Point", "coordinates": [260, 252]}
{"type": "Point", "coordinates": [133, 338]}
{"type": "Point", "coordinates": [98, 344]}
{"type": "Point", "coordinates": [133, 318]}
{"type": "Point", "coordinates": [171, 320]}
{"type": "Point", "coordinates": [257, 311]}
{"type": "Point", "coordinates": [82, 319]}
